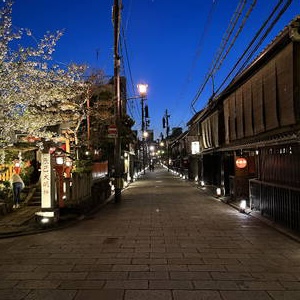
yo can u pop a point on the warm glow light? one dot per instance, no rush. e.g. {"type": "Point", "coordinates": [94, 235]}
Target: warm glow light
{"type": "Point", "coordinates": [241, 162]}
{"type": "Point", "coordinates": [142, 89]}
{"type": "Point", "coordinates": [59, 160]}
{"type": "Point", "coordinates": [218, 191]}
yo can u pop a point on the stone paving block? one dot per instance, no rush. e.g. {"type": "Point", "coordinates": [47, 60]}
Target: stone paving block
{"type": "Point", "coordinates": [13, 294]}
{"type": "Point", "coordinates": [248, 268]}
{"type": "Point", "coordinates": [149, 275]}
{"type": "Point", "coordinates": [185, 261]}
{"type": "Point", "coordinates": [82, 284]}
{"type": "Point", "coordinates": [113, 261]}
{"type": "Point", "coordinates": [221, 261]}
{"type": "Point", "coordinates": [231, 276]}
{"type": "Point", "coordinates": [167, 255]}
{"type": "Point", "coordinates": [149, 261]}
{"type": "Point", "coordinates": [99, 294]}
{"type": "Point", "coordinates": [170, 284]}
{"type": "Point", "coordinates": [147, 295]}
{"type": "Point", "coordinates": [67, 275]}
{"type": "Point", "coordinates": [274, 276]}
{"type": "Point", "coordinates": [158, 268]}
{"type": "Point", "coordinates": [54, 268]}
{"type": "Point", "coordinates": [38, 284]}
{"type": "Point", "coordinates": [90, 268]}
{"type": "Point", "coordinates": [196, 295]}
{"type": "Point", "coordinates": [7, 284]}
{"type": "Point", "coordinates": [189, 275]}
{"type": "Point", "coordinates": [260, 285]}
{"type": "Point", "coordinates": [291, 285]}
{"type": "Point", "coordinates": [51, 295]}
{"type": "Point", "coordinates": [208, 268]}
{"type": "Point", "coordinates": [108, 275]}
{"type": "Point", "coordinates": [18, 268]}
{"type": "Point", "coordinates": [136, 268]}
{"type": "Point", "coordinates": [133, 255]}
{"type": "Point", "coordinates": [285, 295]}
{"type": "Point", "coordinates": [246, 295]}
{"type": "Point", "coordinates": [216, 285]}
{"type": "Point", "coordinates": [126, 284]}
{"type": "Point", "coordinates": [26, 275]}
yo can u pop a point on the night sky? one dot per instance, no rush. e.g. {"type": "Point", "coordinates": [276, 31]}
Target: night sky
{"type": "Point", "coordinates": [170, 45]}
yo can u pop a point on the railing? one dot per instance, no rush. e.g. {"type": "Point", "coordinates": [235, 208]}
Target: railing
{"type": "Point", "coordinates": [278, 202]}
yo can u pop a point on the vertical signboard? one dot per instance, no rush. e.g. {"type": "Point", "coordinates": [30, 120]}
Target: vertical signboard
{"type": "Point", "coordinates": [46, 180]}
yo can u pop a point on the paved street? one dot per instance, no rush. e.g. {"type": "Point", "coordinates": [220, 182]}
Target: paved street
{"type": "Point", "coordinates": [166, 240]}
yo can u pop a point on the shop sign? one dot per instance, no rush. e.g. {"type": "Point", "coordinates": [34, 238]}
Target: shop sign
{"type": "Point", "coordinates": [195, 147]}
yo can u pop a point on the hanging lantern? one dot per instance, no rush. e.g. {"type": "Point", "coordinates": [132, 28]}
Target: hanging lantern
{"type": "Point", "coordinates": [241, 162]}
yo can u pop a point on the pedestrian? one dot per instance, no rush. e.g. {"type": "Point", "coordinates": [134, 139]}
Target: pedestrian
{"type": "Point", "coordinates": [17, 185]}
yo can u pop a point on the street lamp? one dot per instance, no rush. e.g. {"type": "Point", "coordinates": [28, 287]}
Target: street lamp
{"type": "Point", "coordinates": [143, 93]}
{"type": "Point", "coordinates": [142, 89]}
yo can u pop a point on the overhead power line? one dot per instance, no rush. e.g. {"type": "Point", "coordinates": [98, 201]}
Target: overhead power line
{"type": "Point", "coordinates": [256, 41]}
{"type": "Point", "coordinates": [200, 44]}
{"type": "Point", "coordinates": [251, 49]}
{"type": "Point", "coordinates": [218, 60]}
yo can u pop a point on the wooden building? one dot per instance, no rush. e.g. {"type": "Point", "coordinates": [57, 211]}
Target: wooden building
{"type": "Point", "coordinates": [249, 134]}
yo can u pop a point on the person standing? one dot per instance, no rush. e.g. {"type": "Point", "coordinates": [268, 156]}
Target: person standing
{"type": "Point", "coordinates": [17, 186]}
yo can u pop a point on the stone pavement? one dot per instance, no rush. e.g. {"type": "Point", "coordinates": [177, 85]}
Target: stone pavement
{"type": "Point", "coordinates": [18, 221]}
{"type": "Point", "coordinates": [166, 240]}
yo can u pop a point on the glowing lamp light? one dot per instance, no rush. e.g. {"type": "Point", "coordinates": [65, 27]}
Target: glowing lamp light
{"type": "Point", "coordinates": [243, 205]}
{"type": "Point", "coordinates": [241, 162]}
{"type": "Point", "coordinates": [142, 89]}
{"type": "Point", "coordinates": [59, 160]}
{"type": "Point", "coordinates": [219, 191]}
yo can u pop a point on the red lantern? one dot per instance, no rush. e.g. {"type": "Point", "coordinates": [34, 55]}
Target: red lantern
{"type": "Point", "coordinates": [241, 162]}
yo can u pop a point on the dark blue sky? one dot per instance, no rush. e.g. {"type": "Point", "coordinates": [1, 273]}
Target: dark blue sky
{"type": "Point", "coordinates": [170, 45]}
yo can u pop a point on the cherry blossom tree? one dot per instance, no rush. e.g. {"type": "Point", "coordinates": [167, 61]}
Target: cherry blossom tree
{"type": "Point", "coordinates": [35, 93]}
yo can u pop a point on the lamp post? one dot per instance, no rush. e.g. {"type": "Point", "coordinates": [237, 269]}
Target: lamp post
{"type": "Point", "coordinates": [143, 93]}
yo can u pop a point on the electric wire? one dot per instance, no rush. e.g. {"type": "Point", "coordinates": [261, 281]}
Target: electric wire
{"type": "Point", "coordinates": [221, 60]}
{"type": "Point", "coordinates": [227, 35]}
{"type": "Point", "coordinates": [217, 60]}
{"type": "Point", "coordinates": [253, 41]}
{"type": "Point", "coordinates": [131, 105]}
{"type": "Point", "coordinates": [200, 44]}
{"type": "Point", "coordinates": [246, 62]}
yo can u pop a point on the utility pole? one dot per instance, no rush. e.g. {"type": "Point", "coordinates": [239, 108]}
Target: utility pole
{"type": "Point", "coordinates": [166, 125]}
{"type": "Point", "coordinates": [117, 101]}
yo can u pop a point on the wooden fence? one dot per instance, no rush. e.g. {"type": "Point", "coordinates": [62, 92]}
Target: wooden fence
{"type": "Point", "coordinates": [6, 172]}
{"type": "Point", "coordinates": [277, 202]}
{"type": "Point", "coordinates": [81, 191]}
